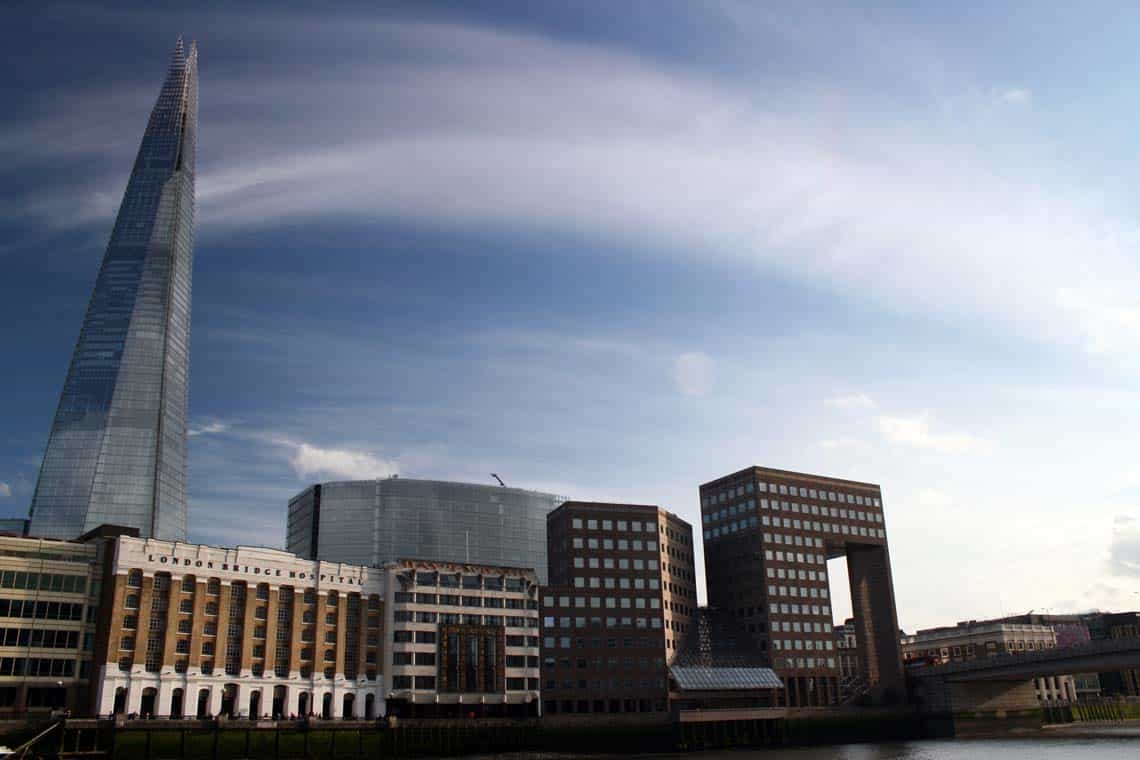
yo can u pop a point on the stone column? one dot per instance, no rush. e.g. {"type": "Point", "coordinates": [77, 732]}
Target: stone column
{"type": "Point", "coordinates": [876, 621]}
{"type": "Point", "coordinates": [298, 625]}
{"type": "Point", "coordinates": [223, 620]}
{"type": "Point", "coordinates": [248, 622]}
{"type": "Point", "coordinates": [197, 625]}
{"type": "Point", "coordinates": [142, 630]}
{"type": "Point", "coordinates": [271, 630]}
{"type": "Point", "coordinates": [174, 603]}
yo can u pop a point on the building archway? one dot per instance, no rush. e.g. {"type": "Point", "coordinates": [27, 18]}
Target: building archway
{"type": "Point", "coordinates": [203, 703]}
{"type": "Point", "coordinates": [255, 704]}
{"type": "Point", "coordinates": [229, 700]}
{"type": "Point", "coordinates": [347, 706]}
{"type": "Point", "coordinates": [176, 704]}
{"type": "Point", "coordinates": [147, 705]}
{"type": "Point", "coordinates": [370, 706]}
{"type": "Point", "coordinates": [303, 704]}
{"type": "Point", "coordinates": [120, 701]}
{"type": "Point", "coordinates": [280, 694]}
{"type": "Point", "coordinates": [327, 706]}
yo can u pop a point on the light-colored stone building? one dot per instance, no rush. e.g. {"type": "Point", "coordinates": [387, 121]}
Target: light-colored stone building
{"type": "Point", "coordinates": [191, 630]}
{"type": "Point", "coordinates": [463, 639]}
{"type": "Point", "coordinates": [972, 640]}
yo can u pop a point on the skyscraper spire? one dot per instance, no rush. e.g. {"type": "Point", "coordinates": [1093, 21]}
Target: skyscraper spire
{"type": "Point", "coordinates": [117, 448]}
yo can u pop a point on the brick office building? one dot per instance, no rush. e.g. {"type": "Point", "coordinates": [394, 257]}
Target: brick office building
{"type": "Point", "coordinates": [767, 537]}
{"type": "Point", "coordinates": [621, 596]}
{"type": "Point", "coordinates": [190, 630]}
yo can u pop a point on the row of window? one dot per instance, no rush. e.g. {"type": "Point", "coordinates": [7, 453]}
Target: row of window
{"type": "Point", "coordinates": [752, 522]}
{"type": "Point", "coordinates": [641, 623]}
{"type": "Point", "coordinates": [39, 610]}
{"type": "Point", "coordinates": [606, 683]}
{"type": "Point", "coordinates": [609, 603]}
{"type": "Point", "coordinates": [783, 608]}
{"type": "Point", "coordinates": [609, 563]}
{"type": "Point", "coordinates": [610, 544]}
{"type": "Point", "coordinates": [454, 600]}
{"type": "Point", "coordinates": [596, 582]}
{"type": "Point", "coordinates": [809, 662]}
{"type": "Point", "coordinates": [795, 626]}
{"type": "Point", "coordinates": [458, 580]}
{"type": "Point", "coordinates": [780, 556]}
{"type": "Point", "coordinates": [67, 584]}
{"type": "Point", "coordinates": [810, 592]}
{"type": "Point", "coordinates": [801, 644]}
{"type": "Point", "coordinates": [214, 588]}
{"type": "Point", "coordinates": [36, 666]}
{"type": "Point", "coordinates": [792, 507]}
{"type": "Point", "coordinates": [46, 638]}
{"type": "Point", "coordinates": [613, 663]}
{"type": "Point", "coordinates": [636, 526]}
{"type": "Point", "coordinates": [785, 490]}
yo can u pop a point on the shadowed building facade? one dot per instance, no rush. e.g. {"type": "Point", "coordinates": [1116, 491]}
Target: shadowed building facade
{"type": "Point", "coordinates": [768, 535]}
{"type": "Point", "coordinates": [117, 448]}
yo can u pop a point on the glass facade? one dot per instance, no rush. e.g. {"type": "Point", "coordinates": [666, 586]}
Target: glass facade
{"type": "Point", "coordinates": [117, 448]}
{"type": "Point", "coordinates": [369, 522]}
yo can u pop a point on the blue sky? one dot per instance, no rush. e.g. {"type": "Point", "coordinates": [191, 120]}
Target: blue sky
{"type": "Point", "coordinates": [618, 250]}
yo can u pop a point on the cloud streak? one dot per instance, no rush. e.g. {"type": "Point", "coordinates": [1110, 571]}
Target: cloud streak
{"type": "Point", "coordinates": [915, 432]}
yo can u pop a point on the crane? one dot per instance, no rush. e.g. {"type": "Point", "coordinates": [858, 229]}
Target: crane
{"type": "Point", "coordinates": [496, 477]}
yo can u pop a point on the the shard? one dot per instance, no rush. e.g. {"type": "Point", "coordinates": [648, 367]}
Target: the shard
{"type": "Point", "coordinates": [117, 449]}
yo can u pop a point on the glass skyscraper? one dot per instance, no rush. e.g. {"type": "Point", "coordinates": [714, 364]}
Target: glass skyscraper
{"type": "Point", "coordinates": [117, 449]}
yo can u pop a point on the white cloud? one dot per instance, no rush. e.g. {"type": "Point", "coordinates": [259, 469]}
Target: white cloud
{"type": "Point", "coordinates": [1016, 96]}
{"type": "Point", "coordinates": [853, 401]}
{"type": "Point", "coordinates": [308, 461]}
{"type": "Point", "coordinates": [1124, 551]}
{"type": "Point", "coordinates": [694, 373]}
{"type": "Point", "coordinates": [208, 429]}
{"type": "Point", "coordinates": [935, 499]}
{"type": "Point", "coordinates": [915, 431]}
{"type": "Point", "coordinates": [5, 490]}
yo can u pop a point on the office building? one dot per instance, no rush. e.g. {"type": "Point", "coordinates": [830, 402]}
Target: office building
{"type": "Point", "coordinates": [49, 603]}
{"type": "Point", "coordinates": [370, 522]}
{"type": "Point", "coordinates": [1121, 625]}
{"type": "Point", "coordinates": [187, 630]}
{"type": "Point", "coordinates": [117, 448]}
{"type": "Point", "coordinates": [767, 537]}
{"type": "Point", "coordinates": [972, 640]}
{"type": "Point", "coordinates": [847, 652]}
{"type": "Point", "coordinates": [621, 596]}
{"type": "Point", "coordinates": [464, 640]}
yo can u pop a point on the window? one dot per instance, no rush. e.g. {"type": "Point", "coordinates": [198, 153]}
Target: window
{"type": "Point", "coordinates": [134, 579]}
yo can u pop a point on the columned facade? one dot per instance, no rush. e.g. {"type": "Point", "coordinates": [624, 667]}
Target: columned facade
{"type": "Point", "coordinates": [199, 631]}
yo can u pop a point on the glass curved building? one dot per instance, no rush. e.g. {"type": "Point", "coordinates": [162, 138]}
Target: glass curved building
{"type": "Point", "coordinates": [369, 522]}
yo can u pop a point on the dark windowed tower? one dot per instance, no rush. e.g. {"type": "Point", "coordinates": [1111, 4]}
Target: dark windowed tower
{"type": "Point", "coordinates": [117, 449]}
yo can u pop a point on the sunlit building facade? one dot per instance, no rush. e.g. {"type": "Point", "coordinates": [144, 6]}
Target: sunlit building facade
{"type": "Point", "coordinates": [117, 448]}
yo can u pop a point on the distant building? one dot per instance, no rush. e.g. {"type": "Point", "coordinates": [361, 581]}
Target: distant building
{"type": "Point", "coordinates": [973, 640]}
{"type": "Point", "coordinates": [847, 650]}
{"type": "Point", "coordinates": [464, 640]}
{"type": "Point", "coordinates": [767, 537]}
{"type": "Point", "coordinates": [371, 522]}
{"type": "Point", "coordinates": [1122, 625]}
{"type": "Point", "coordinates": [622, 594]}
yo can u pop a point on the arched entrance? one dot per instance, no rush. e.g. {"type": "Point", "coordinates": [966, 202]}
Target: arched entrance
{"type": "Point", "coordinates": [279, 695]}
{"type": "Point", "coordinates": [255, 704]}
{"type": "Point", "coordinates": [203, 703]}
{"type": "Point", "coordinates": [120, 701]}
{"type": "Point", "coordinates": [229, 700]}
{"type": "Point", "coordinates": [370, 706]}
{"type": "Point", "coordinates": [347, 706]}
{"type": "Point", "coordinates": [176, 704]}
{"type": "Point", "coordinates": [303, 704]}
{"type": "Point", "coordinates": [149, 697]}
{"type": "Point", "coordinates": [327, 706]}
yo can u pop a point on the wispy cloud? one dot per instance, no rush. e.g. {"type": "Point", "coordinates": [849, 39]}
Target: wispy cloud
{"type": "Point", "coordinates": [915, 432]}
{"type": "Point", "coordinates": [694, 373]}
{"type": "Point", "coordinates": [309, 460]}
{"type": "Point", "coordinates": [208, 429]}
{"type": "Point", "coordinates": [1124, 551]}
{"type": "Point", "coordinates": [852, 401]}
{"type": "Point", "coordinates": [5, 490]}
{"type": "Point", "coordinates": [1015, 96]}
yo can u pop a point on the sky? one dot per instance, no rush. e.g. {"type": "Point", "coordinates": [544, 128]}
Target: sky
{"type": "Point", "coordinates": [617, 250]}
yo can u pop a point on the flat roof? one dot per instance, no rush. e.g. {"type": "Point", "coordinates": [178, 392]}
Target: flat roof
{"type": "Point", "coordinates": [793, 475]}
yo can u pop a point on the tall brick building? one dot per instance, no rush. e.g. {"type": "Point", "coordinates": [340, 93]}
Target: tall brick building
{"type": "Point", "coordinates": [621, 597]}
{"type": "Point", "coordinates": [767, 537]}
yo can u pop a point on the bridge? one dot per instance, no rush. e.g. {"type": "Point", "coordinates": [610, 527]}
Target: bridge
{"type": "Point", "coordinates": [1002, 685]}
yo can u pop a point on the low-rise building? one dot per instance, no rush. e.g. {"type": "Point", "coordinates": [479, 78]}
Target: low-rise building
{"type": "Point", "coordinates": [192, 630]}
{"type": "Point", "coordinates": [972, 640]}
{"type": "Point", "coordinates": [464, 640]}
{"type": "Point", "coordinates": [49, 603]}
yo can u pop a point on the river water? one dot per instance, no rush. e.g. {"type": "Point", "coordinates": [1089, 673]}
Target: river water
{"type": "Point", "coordinates": [1108, 743]}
